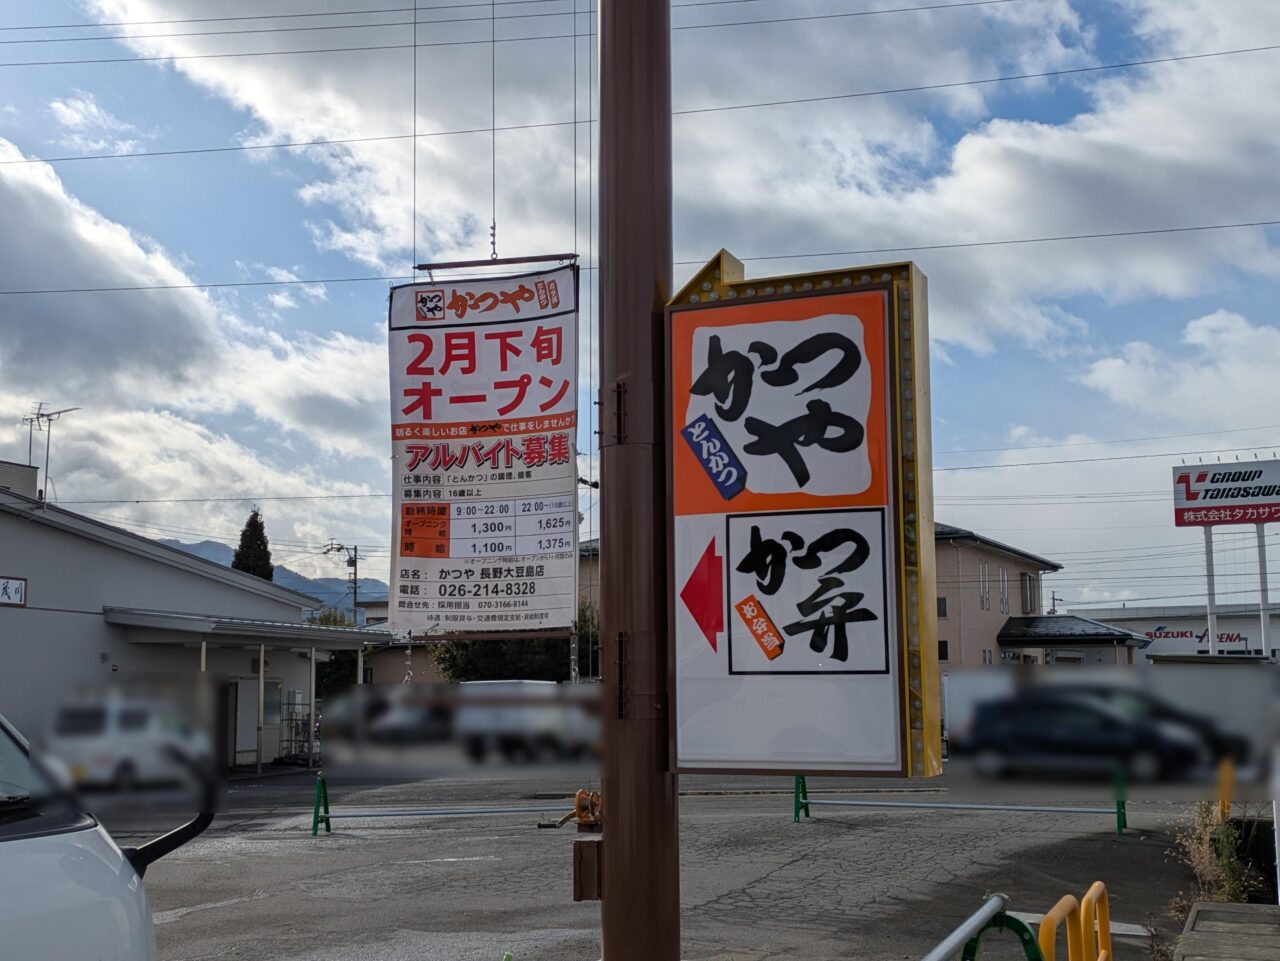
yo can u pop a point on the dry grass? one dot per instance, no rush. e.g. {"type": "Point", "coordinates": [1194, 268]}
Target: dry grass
{"type": "Point", "coordinates": [1211, 849]}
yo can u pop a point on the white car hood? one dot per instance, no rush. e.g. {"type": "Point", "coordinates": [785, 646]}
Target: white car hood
{"type": "Point", "coordinates": [72, 896]}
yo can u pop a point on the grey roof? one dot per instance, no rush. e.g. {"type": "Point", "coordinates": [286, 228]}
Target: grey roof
{"type": "Point", "coordinates": [945, 532]}
{"type": "Point", "coordinates": [246, 631]}
{"type": "Point", "coordinates": [44, 513]}
{"type": "Point", "coordinates": [1063, 629]}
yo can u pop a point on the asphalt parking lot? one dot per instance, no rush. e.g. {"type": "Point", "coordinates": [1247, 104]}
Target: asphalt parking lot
{"type": "Point", "coordinates": [848, 883]}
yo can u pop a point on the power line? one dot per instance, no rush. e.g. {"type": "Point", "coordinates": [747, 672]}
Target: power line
{"type": "Point", "coordinates": [1082, 503]}
{"type": "Point", "coordinates": [1140, 549]}
{"type": "Point", "coordinates": [245, 283]}
{"type": "Point", "coordinates": [301, 497]}
{"type": "Point", "coordinates": [453, 6]}
{"type": "Point", "coordinates": [265, 30]}
{"type": "Point", "coordinates": [281, 53]}
{"type": "Point", "coordinates": [287, 146]}
{"type": "Point", "coordinates": [1062, 579]}
{"type": "Point", "coordinates": [988, 243]}
{"type": "Point", "coordinates": [1095, 460]}
{"type": "Point", "coordinates": [211, 500]}
{"type": "Point", "coordinates": [564, 123]}
{"type": "Point", "coordinates": [1095, 443]}
{"type": "Point", "coordinates": [1005, 243]}
{"type": "Point", "coordinates": [1067, 71]}
{"type": "Point", "coordinates": [841, 16]}
{"type": "Point", "coordinates": [517, 16]}
{"type": "Point", "coordinates": [1095, 497]}
{"type": "Point", "coordinates": [1162, 597]}
{"type": "Point", "coordinates": [167, 530]}
{"type": "Point", "coordinates": [286, 16]}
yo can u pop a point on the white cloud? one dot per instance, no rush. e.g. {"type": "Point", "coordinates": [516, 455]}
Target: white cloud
{"type": "Point", "coordinates": [1108, 522]}
{"type": "Point", "coordinates": [313, 292]}
{"type": "Point", "coordinates": [175, 350]}
{"type": "Point", "coordinates": [1224, 377]}
{"type": "Point", "coordinates": [145, 455]}
{"type": "Point", "coordinates": [1167, 146]}
{"type": "Point", "coordinates": [91, 128]}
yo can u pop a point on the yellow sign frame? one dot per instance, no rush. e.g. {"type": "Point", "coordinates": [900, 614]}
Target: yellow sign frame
{"type": "Point", "coordinates": [723, 280]}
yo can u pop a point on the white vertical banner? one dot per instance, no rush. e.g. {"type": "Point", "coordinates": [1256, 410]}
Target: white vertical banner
{"type": "Point", "coordinates": [484, 411]}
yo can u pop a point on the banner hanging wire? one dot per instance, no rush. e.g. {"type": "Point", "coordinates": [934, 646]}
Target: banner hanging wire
{"type": "Point", "coordinates": [498, 262]}
{"type": "Point", "coordinates": [415, 131]}
{"type": "Point", "coordinates": [493, 136]}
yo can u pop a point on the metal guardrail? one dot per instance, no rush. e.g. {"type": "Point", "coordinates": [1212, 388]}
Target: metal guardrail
{"type": "Point", "coordinates": [962, 806]}
{"type": "Point", "coordinates": [321, 813]}
{"type": "Point", "coordinates": [970, 928]}
{"type": "Point", "coordinates": [442, 812]}
{"type": "Point", "coordinates": [586, 810]}
{"type": "Point", "coordinates": [801, 802]}
{"type": "Point", "coordinates": [1077, 917]}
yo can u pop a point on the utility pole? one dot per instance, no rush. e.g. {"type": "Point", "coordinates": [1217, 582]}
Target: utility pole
{"type": "Point", "coordinates": [353, 562]}
{"type": "Point", "coordinates": [1053, 602]}
{"type": "Point", "coordinates": [640, 869]}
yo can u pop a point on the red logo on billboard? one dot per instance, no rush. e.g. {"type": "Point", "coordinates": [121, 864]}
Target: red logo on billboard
{"type": "Point", "coordinates": [1189, 492]}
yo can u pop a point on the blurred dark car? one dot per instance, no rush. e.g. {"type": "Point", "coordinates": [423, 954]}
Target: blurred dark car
{"type": "Point", "coordinates": [347, 716]}
{"type": "Point", "coordinates": [1142, 706]}
{"type": "Point", "coordinates": [1079, 736]}
{"type": "Point", "coordinates": [411, 720]}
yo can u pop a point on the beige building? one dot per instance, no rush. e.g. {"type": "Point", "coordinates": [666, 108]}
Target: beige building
{"type": "Point", "coordinates": [981, 585]}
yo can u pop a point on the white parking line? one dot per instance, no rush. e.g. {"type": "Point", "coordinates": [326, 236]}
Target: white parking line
{"type": "Point", "coordinates": [447, 860]}
{"type": "Point", "coordinates": [164, 917]}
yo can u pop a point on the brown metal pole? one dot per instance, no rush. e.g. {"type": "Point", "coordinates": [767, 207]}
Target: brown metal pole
{"type": "Point", "coordinates": [641, 865]}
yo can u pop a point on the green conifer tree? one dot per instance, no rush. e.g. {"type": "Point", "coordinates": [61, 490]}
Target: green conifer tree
{"type": "Point", "coordinates": [253, 556]}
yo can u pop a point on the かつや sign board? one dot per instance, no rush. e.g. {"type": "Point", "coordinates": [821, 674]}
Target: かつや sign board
{"type": "Point", "coordinates": [484, 408]}
{"type": "Point", "coordinates": [803, 622]}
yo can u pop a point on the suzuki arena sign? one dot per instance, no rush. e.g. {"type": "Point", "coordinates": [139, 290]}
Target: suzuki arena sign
{"type": "Point", "coordinates": [803, 599]}
{"type": "Point", "coordinates": [1246, 493]}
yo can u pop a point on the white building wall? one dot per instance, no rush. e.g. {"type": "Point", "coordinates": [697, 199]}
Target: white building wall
{"type": "Point", "coordinates": [1179, 631]}
{"type": "Point", "coordinates": [59, 645]}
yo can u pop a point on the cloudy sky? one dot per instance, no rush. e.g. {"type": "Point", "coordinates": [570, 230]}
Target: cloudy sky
{"type": "Point", "coordinates": [1094, 363]}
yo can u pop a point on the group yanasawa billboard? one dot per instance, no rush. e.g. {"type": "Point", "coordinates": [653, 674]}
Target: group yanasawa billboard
{"type": "Point", "coordinates": [483, 426]}
{"type": "Point", "coordinates": [802, 616]}
{"type": "Point", "coordinates": [1241, 493]}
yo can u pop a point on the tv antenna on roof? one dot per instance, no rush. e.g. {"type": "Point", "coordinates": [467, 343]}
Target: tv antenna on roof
{"type": "Point", "coordinates": [41, 419]}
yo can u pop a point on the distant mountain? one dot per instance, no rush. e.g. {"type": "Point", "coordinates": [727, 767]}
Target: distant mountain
{"type": "Point", "coordinates": [334, 591]}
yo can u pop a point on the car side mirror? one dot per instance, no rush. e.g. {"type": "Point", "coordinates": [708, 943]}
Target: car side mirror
{"type": "Point", "coordinates": [147, 854]}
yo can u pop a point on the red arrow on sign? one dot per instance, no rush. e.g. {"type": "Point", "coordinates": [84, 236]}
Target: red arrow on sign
{"type": "Point", "coordinates": [703, 593]}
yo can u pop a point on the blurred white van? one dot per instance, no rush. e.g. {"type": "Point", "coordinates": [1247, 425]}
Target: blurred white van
{"type": "Point", "coordinates": [124, 743]}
